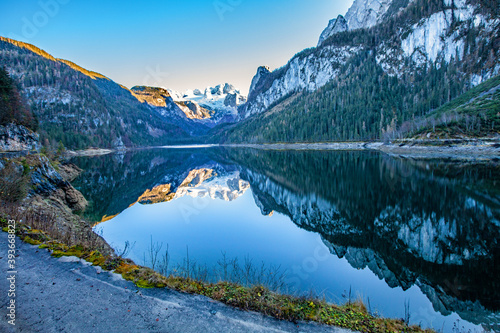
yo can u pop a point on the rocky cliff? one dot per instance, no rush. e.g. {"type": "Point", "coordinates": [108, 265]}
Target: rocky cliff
{"type": "Point", "coordinates": [309, 70]}
{"type": "Point", "coordinates": [334, 26]}
{"type": "Point", "coordinates": [18, 138]}
{"type": "Point", "coordinates": [366, 13]}
{"type": "Point", "coordinates": [48, 183]}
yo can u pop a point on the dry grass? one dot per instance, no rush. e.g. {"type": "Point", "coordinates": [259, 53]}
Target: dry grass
{"type": "Point", "coordinates": [41, 225]}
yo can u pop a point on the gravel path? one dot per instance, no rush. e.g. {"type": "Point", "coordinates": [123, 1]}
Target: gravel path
{"type": "Point", "coordinates": [68, 295]}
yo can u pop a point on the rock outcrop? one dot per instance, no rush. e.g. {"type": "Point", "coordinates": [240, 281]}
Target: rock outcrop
{"type": "Point", "coordinates": [47, 182]}
{"type": "Point", "coordinates": [15, 138]}
{"type": "Point", "coordinates": [366, 13]}
{"type": "Point", "coordinates": [334, 26]}
{"type": "Point", "coordinates": [193, 110]}
{"type": "Point", "coordinates": [153, 96]}
{"type": "Point", "coordinates": [234, 100]}
{"type": "Point", "coordinates": [263, 73]}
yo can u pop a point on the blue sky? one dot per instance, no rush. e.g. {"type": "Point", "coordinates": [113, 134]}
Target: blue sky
{"type": "Point", "coordinates": [173, 44]}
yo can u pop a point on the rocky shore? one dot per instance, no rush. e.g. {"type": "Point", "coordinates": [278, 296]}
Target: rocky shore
{"type": "Point", "coordinates": [50, 201]}
{"type": "Point", "coordinates": [459, 149]}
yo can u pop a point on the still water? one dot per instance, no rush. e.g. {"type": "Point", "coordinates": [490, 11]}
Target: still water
{"type": "Point", "coordinates": [343, 225]}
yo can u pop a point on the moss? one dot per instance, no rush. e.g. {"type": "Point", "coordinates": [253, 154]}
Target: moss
{"type": "Point", "coordinates": [144, 284]}
{"type": "Point", "coordinates": [31, 241]}
{"type": "Point", "coordinates": [96, 258]}
{"type": "Point", "coordinates": [35, 235]}
{"type": "Point", "coordinates": [74, 251]}
{"type": "Point", "coordinates": [26, 167]}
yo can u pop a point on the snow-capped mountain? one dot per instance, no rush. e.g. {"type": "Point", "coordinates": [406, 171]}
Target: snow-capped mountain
{"type": "Point", "coordinates": [193, 110]}
{"type": "Point", "coordinates": [222, 100]}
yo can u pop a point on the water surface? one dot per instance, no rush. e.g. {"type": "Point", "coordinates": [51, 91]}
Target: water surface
{"type": "Point", "coordinates": [343, 224]}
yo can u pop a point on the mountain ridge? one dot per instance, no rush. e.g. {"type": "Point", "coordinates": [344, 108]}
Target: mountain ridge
{"type": "Point", "coordinates": [446, 47]}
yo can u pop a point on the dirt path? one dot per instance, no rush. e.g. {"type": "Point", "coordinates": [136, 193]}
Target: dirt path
{"type": "Point", "coordinates": [68, 295]}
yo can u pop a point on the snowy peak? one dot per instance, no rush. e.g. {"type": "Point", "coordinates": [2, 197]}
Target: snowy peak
{"type": "Point", "coordinates": [209, 94]}
{"type": "Point", "coordinates": [221, 100]}
{"type": "Point", "coordinates": [366, 13]}
{"type": "Point", "coordinates": [334, 26]}
{"type": "Point", "coordinates": [220, 90]}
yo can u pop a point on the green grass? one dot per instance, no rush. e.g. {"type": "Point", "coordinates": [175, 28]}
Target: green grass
{"type": "Point", "coordinates": [460, 101]}
{"type": "Point", "coordinates": [469, 115]}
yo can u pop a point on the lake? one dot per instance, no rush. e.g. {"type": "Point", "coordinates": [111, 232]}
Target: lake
{"type": "Point", "coordinates": [417, 238]}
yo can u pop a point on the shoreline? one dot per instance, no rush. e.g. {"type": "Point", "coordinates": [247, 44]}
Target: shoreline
{"type": "Point", "coordinates": [90, 152]}
{"type": "Point", "coordinates": [480, 148]}
{"type": "Point", "coordinates": [70, 294]}
{"type": "Point", "coordinates": [459, 149]}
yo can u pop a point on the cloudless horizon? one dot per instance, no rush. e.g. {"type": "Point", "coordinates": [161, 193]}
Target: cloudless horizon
{"type": "Point", "coordinates": [175, 45]}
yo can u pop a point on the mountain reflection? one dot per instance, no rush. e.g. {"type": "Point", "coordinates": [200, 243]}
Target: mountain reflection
{"type": "Point", "coordinates": [434, 223]}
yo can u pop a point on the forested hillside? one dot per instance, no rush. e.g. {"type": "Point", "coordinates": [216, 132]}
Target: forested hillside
{"type": "Point", "coordinates": [79, 107]}
{"type": "Point", "coordinates": [12, 108]}
{"type": "Point", "coordinates": [473, 114]}
{"type": "Point", "coordinates": [364, 103]}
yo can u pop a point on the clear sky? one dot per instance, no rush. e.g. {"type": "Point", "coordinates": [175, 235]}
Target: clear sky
{"type": "Point", "coordinates": [173, 44]}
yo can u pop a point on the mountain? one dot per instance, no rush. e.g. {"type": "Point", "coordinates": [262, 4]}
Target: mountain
{"type": "Point", "coordinates": [385, 63]}
{"type": "Point", "coordinates": [193, 111]}
{"type": "Point", "coordinates": [221, 102]}
{"type": "Point", "coordinates": [384, 67]}
{"type": "Point", "coordinates": [82, 108]}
